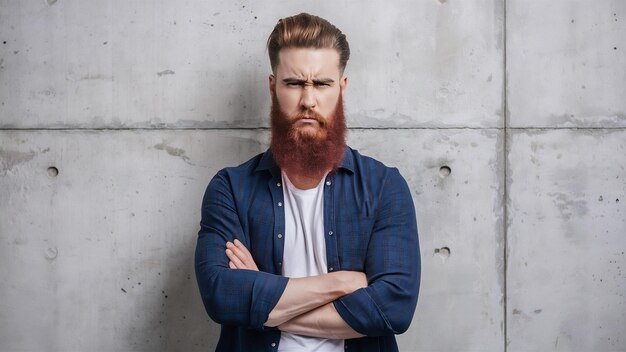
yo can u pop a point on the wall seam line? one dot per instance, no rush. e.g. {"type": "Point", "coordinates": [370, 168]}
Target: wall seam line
{"type": "Point", "coordinates": [504, 174]}
{"type": "Point", "coordinates": [507, 128]}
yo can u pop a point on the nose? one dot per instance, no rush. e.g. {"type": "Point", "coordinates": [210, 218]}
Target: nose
{"type": "Point", "coordinates": [308, 100]}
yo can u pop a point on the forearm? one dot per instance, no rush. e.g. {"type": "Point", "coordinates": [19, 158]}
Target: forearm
{"type": "Point", "coordinates": [323, 322]}
{"type": "Point", "coordinates": [308, 293]}
{"type": "Point", "coordinates": [225, 293]}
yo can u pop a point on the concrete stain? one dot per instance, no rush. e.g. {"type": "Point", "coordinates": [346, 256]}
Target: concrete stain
{"type": "Point", "coordinates": [568, 207]}
{"type": "Point", "coordinates": [19, 241]}
{"type": "Point", "coordinates": [51, 2]}
{"type": "Point", "coordinates": [9, 159]}
{"type": "Point", "coordinates": [95, 77]}
{"type": "Point", "coordinates": [587, 120]}
{"type": "Point", "coordinates": [165, 72]}
{"type": "Point", "coordinates": [178, 152]}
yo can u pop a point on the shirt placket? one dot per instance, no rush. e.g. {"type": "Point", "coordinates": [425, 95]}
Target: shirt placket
{"type": "Point", "coordinates": [330, 232]}
{"type": "Point", "coordinates": [278, 204]}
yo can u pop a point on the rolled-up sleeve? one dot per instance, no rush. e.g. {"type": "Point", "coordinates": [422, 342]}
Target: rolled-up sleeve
{"type": "Point", "coordinates": [231, 296]}
{"type": "Point", "coordinates": [392, 266]}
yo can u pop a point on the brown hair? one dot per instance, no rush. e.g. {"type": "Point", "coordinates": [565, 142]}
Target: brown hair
{"type": "Point", "coordinates": [307, 31]}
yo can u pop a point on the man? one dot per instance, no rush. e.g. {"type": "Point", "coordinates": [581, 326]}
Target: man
{"type": "Point", "coordinates": [309, 246]}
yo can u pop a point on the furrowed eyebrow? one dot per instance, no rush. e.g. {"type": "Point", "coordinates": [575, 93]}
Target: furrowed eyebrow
{"type": "Point", "coordinates": [323, 81]}
{"type": "Point", "coordinates": [304, 82]}
{"type": "Point", "coordinates": [294, 80]}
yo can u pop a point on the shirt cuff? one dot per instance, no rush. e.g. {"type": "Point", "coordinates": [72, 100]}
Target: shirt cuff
{"type": "Point", "coordinates": [362, 314]}
{"type": "Point", "coordinates": [266, 292]}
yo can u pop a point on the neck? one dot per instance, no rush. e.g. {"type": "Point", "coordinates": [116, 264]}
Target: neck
{"type": "Point", "coordinates": [304, 181]}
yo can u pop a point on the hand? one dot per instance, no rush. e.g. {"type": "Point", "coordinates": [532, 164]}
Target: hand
{"type": "Point", "coordinates": [239, 256]}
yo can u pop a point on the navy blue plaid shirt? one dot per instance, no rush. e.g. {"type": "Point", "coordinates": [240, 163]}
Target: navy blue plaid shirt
{"type": "Point", "coordinates": [369, 224]}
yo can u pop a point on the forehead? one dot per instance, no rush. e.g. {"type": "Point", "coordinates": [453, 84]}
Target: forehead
{"type": "Point", "coordinates": [308, 62]}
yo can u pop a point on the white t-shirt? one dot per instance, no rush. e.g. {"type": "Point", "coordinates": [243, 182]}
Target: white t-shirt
{"type": "Point", "coordinates": [305, 254]}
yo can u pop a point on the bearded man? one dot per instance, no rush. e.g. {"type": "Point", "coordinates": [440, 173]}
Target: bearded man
{"type": "Point", "coordinates": [309, 246]}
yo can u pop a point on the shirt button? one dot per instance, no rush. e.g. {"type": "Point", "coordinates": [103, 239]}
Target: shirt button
{"type": "Point", "coordinates": [280, 204]}
{"type": "Point", "coordinates": [328, 183]}
{"type": "Point", "coordinates": [330, 233]}
{"type": "Point", "coordinates": [278, 184]}
{"type": "Point", "coordinates": [330, 269]}
{"type": "Point", "coordinates": [273, 344]}
{"type": "Point", "coordinates": [280, 235]}
{"type": "Point", "coordinates": [280, 263]}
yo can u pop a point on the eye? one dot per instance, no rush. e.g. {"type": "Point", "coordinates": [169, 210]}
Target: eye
{"type": "Point", "coordinates": [294, 84]}
{"type": "Point", "coordinates": [322, 84]}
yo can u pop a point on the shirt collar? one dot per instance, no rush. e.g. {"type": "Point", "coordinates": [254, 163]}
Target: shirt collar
{"type": "Point", "coordinates": [267, 162]}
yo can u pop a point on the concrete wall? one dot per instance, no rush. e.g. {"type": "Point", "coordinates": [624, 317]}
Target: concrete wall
{"type": "Point", "coordinates": [136, 104]}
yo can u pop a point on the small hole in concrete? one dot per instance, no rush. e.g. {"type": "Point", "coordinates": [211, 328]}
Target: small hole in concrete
{"type": "Point", "coordinates": [444, 171]}
{"type": "Point", "coordinates": [53, 171]}
{"type": "Point", "coordinates": [51, 253]}
{"type": "Point", "coordinates": [444, 252]}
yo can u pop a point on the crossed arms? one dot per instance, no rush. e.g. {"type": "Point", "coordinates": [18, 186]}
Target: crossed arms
{"type": "Point", "coordinates": [340, 304]}
{"type": "Point", "coordinates": [306, 307]}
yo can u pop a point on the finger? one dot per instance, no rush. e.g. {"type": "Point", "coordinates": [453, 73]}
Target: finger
{"type": "Point", "coordinates": [233, 258]}
{"type": "Point", "coordinates": [240, 245]}
{"type": "Point", "coordinates": [247, 256]}
{"type": "Point", "coordinates": [239, 264]}
{"type": "Point", "coordinates": [231, 265]}
{"type": "Point", "coordinates": [242, 254]}
{"type": "Point", "coordinates": [243, 249]}
{"type": "Point", "coordinates": [237, 252]}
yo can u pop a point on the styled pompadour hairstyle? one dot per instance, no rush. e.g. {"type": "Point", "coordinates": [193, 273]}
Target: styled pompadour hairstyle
{"type": "Point", "coordinates": [307, 31]}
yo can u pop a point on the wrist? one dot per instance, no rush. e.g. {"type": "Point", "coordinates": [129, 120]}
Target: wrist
{"type": "Point", "coordinates": [347, 282]}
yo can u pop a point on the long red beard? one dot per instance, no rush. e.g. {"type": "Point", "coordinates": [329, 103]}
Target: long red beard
{"type": "Point", "coordinates": [303, 152]}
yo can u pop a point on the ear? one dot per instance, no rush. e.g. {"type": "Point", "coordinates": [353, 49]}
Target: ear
{"type": "Point", "coordinates": [343, 84]}
{"type": "Point", "coordinates": [272, 83]}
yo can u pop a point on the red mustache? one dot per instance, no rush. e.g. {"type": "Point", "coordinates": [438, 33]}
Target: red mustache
{"type": "Point", "coordinates": [312, 115]}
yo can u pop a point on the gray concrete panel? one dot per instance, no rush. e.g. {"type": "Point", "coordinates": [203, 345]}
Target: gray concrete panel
{"type": "Point", "coordinates": [151, 64]}
{"type": "Point", "coordinates": [100, 257]}
{"type": "Point", "coordinates": [566, 63]}
{"type": "Point", "coordinates": [566, 273]}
